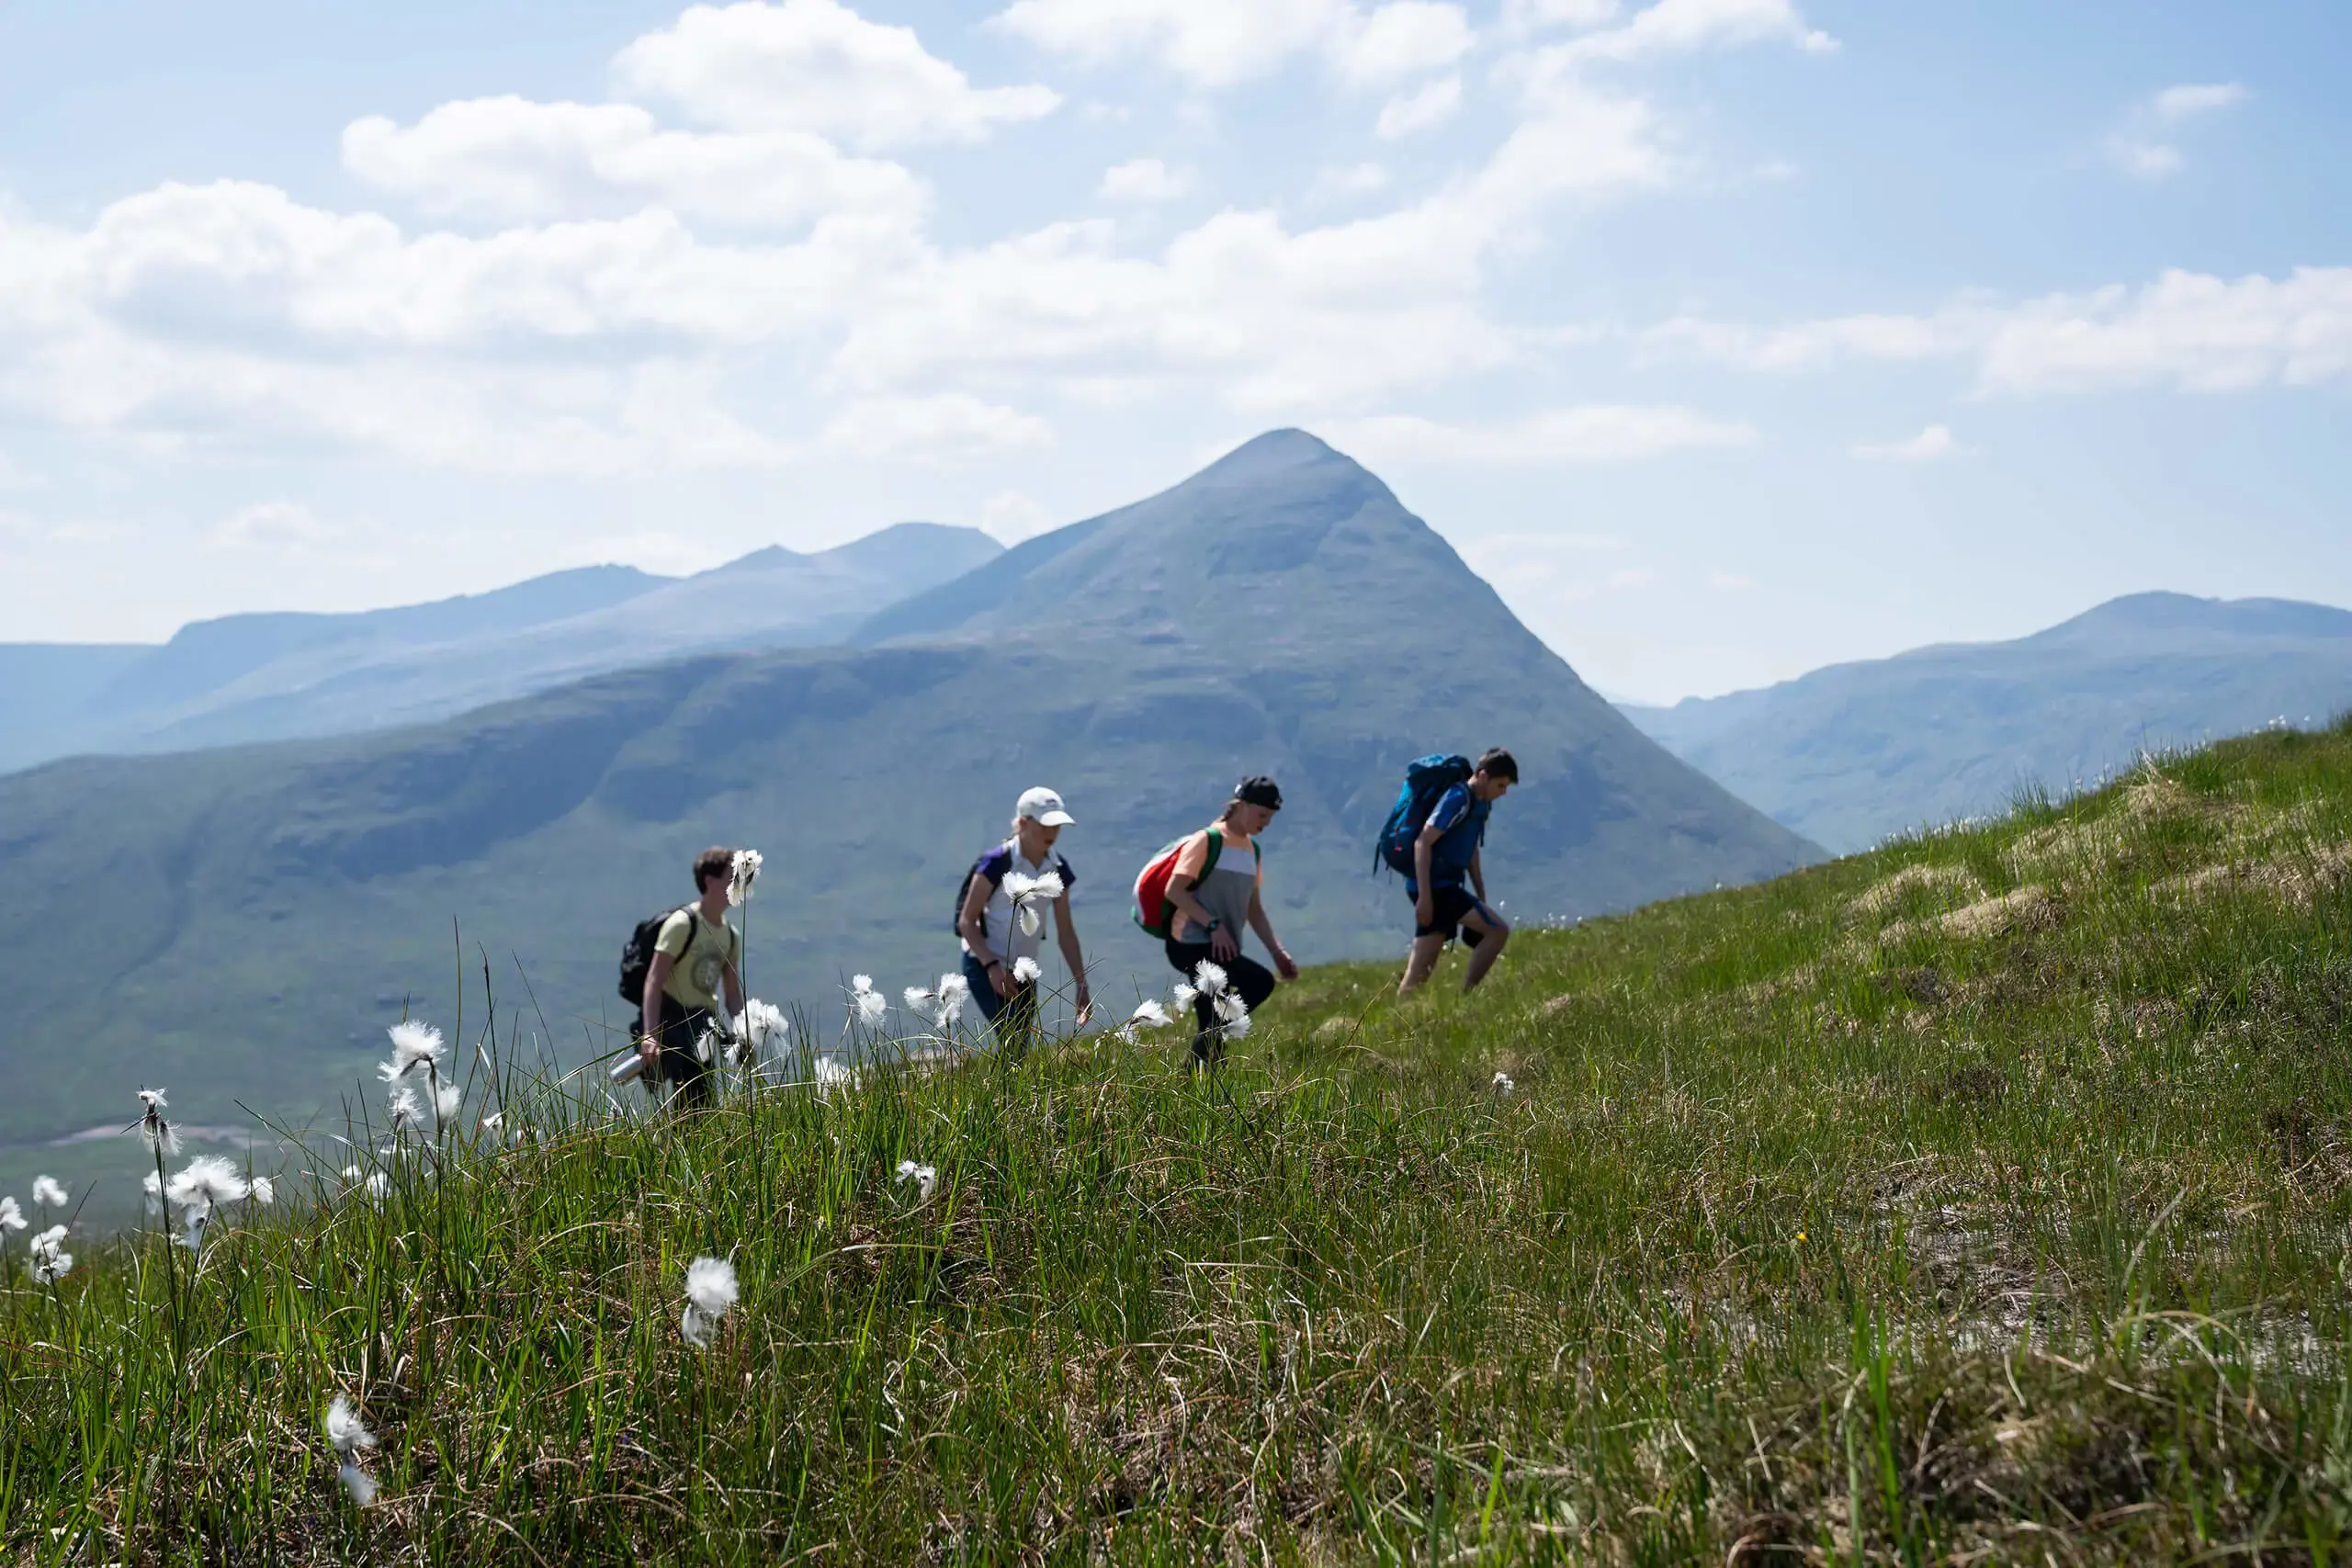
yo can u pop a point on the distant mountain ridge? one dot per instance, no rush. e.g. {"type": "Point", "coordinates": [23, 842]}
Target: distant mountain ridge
{"type": "Point", "coordinates": [281, 675]}
{"type": "Point", "coordinates": [1854, 752]}
{"type": "Point", "coordinates": [1279, 613]}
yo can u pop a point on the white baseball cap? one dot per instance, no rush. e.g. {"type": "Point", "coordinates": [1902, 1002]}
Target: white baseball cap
{"type": "Point", "coordinates": [1042, 807]}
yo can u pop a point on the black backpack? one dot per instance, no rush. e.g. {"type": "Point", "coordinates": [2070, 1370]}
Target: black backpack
{"type": "Point", "coordinates": [637, 956]}
{"type": "Point", "coordinates": [956, 922]}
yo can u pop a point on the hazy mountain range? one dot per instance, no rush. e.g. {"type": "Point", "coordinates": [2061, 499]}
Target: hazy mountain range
{"type": "Point", "coordinates": [1851, 754]}
{"type": "Point", "coordinates": [242, 923]}
{"type": "Point", "coordinates": [264, 677]}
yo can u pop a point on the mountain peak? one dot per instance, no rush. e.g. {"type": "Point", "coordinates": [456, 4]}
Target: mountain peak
{"type": "Point", "coordinates": [2171, 616]}
{"type": "Point", "coordinates": [1263, 457]}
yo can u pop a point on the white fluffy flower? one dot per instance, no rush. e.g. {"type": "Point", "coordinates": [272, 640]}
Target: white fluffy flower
{"type": "Point", "coordinates": [12, 1218]}
{"type": "Point", "coordinates": [359, 1483]}
{"type": "Point", "coordinates": [861, 984]}
{"type": "Point", "coordinates": [832, 1074]}
{"type": "Point", "coordinates": [1210, 977]}
{"type": "Point", "coordinates": [204, 1181]}
{"type": "Point", "coordinates": [378, 1184]}
{"type": "Point", "coordinates": [869, 1004]}
{"type": "Point", "coordinates": [1025, 970]}
{"type": "Point", "coordinates": [407, 1111]}
{"type": "Point", "coordinates": [447, 1101]}
{"type": "Point", "coordinates": [924, 1177]}
{"type": "Point", "coordinates": [264, 1191]}
{"type": "Point", "coordinates": [1183, 995]}
{"type": "Point", "coordinates": [154, 1188]}
{"type": "Point", "coordinates": [1150, 1015]}
{"type": "Point", "coordinates": [495, 1120]}
{"type": "Point", "coordinates": [345, 1430]}
{"type": "Point", "coordinates": [1502, 1084]}
{"type": "Point", "coordinates": [1029, 894]}
{"type": "Point", "coordinates": [1236, 1027]}
{"type": "Point", "coordinates": [761, 1028]}
{"type": "Point", "coordinates": [158, 1133]}
{"type": "Point", "coordinates": [416, 1045]}
{"type": "Point", "coordinates": [711, 1288]}
{"type": "Point", "coordinates": [49, 1261]}
{"type": "Point", "coordinates": [745, 871]}
{"type": "Point", "coordinates": [48, 1194]}
{"type": "Point", "coordinates": [354, 1174]}
{"type": "Point", "coordinates": [350, 1436]}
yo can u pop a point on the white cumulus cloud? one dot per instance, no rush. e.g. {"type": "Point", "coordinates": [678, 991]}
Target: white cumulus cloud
{"type": "Point", "coordinates": [1680, 26]}
{"type": "Point", "coordinates": [1219, 43]}
{"type": "Point", "coordinates": [942, 431]}
{"type": "Point", "coordinates": [1144, 180]}
{"type": "Point", "coordinates": [1590, 434]}
{"type": "Point", "coordinates": [2146, 144]}
{"type": "Point", "coordinates": [1931, 444]}
{"type": "Point", "coordinates": [2186, 331]}
{"type": "Point", "coordinates": [1424, 109]}
{"type": "Point", "coordinates": [511, 160]}
{"type": "Point", "coordinates": [274, 528]}
{"type": "Point", "coordinates": [817, 66]}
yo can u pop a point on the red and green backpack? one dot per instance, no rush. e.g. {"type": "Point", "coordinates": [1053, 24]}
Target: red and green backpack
{"type": "Point", "coordinates": [1155, 911]}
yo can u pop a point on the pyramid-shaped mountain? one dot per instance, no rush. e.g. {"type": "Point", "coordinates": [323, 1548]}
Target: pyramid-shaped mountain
{"type": "Point", "coordinates": [271, 908]}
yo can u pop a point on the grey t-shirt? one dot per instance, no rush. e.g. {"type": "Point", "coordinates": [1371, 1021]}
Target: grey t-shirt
{"type": "Point", "coordinates": [1228, 889]}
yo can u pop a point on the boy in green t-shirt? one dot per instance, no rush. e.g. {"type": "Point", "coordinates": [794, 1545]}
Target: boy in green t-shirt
{"type": "Point", "coordinates": [697, 955]}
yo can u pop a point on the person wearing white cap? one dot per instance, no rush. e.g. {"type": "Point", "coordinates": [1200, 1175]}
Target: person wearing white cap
{"type": "Point", "coordinates": [999, 916]}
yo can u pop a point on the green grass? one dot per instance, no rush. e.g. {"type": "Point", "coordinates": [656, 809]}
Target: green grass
{"type": "Point", "coordinates": [1983, 1199]}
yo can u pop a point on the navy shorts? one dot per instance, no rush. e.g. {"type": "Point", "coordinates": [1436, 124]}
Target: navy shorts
{"type": "Point", "coordinates": [1452, 902]}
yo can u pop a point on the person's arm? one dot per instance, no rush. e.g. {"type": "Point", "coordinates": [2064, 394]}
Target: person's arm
{"type": "Point", "coordinates": [1284, 965]}
{"type": "Point", "coordinates": [1066, 932]}
{"type": "Point", "coordinates": [657, 976]}
{"type": "Point", "coordinates": [1424, 847]}
{"type": "Point", "coordinates": [973, 927]}
{"type": "Point", "coordinates": [1479, 874]}
{"type": "Point", "coordinates": [1191, 863]}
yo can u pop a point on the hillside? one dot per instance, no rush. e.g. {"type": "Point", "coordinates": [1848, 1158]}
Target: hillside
{"type": "Point", "coordinates": [1979, 1200]}
{"type": "Point", "coordinates": [1852, 753]}
{"type": "Point", "coordinates": [269, 909]}
{"type": "Point", "coordinates": [259, 677]}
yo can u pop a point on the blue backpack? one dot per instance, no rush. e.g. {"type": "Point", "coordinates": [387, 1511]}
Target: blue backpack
{"type": "Point", "coordinates": [1426, 782]}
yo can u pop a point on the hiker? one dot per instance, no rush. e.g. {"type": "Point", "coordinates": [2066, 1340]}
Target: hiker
{"type": "Point", "coordinates": [1214, 890]}
{"type": "Point", "coordinates": [1446, 851]}
{"type": "Point", "coordinates": [696, 955]}
{"type": "Point", "coordinates": [1002, 924]}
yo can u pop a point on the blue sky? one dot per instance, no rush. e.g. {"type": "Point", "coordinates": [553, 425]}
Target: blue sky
{"type": "Point", "coordinates": [1726, 337]}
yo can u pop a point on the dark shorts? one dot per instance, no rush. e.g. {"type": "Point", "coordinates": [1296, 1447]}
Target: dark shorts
{"type": "Point", "coordinates": [1452, 902]}
{"type": "Point", "coordinates": [681, 1026]}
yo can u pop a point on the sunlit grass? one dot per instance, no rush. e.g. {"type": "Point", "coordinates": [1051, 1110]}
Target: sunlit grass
{"type": "Point", "coordinates": [1981, 1198]}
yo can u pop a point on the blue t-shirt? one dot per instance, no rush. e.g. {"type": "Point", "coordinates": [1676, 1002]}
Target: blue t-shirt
{"type": "Point", "coordinates": [1460, 817]}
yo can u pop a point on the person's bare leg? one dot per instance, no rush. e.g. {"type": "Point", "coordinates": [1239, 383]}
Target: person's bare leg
{"type": "Point", "coordinates": [1421, 961]}
{"type": "Point", "coordinates": [1494, 934]}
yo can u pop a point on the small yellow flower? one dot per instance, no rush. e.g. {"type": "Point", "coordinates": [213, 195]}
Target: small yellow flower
{"type": "Point", "coordinates": [1800, 1236]}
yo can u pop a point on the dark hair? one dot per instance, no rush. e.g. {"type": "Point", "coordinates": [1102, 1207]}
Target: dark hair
{"type": "Point", "coordinates": [716, 861]}
{"type": "Point", "coordinates": [1258, 790]}
{"type": "Point", "coordinates": [1500, 764]}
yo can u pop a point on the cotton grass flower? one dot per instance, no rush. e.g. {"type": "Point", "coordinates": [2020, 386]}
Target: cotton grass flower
{"type": "Point", "coordinates": [832, 1074]}
{"type": "Point", "coordinates": [1029, 894]}
{"type": "Point", "coordinates": [264, 1191]}
{"type": "Point", "coordinates": [1211, 979]}
{"type": "Point", "coordinates": [1183, 996]}
{"type": "Point", "coordinates": [762, 1030]}
{"type": "Point", "coordinates": [205, 1182]}
{"type": "Point", "coordinates": [418, 1045]}
{"type": "Point", "coordinates": [350, 1435]}
{"type": "Point", "coordinates": [49, 1261]}
{"type": "Point", "coordinates": [154, 1185]}
{"type": "Point", "coordinates": [48, 1194]}
{"type": "Point", "coordinates": [408, 1111]}
{"type": "Point", "coordinates": [12, 1218]}
{"type": "Point", "coordinates": [745, 871]}
{"type": "Point", "coordinates": [447, 1101]}
{"type": "Point", "coordinates": [1025, 971]}
{"type": "Point", "coordinates": [1502, 1084]}
{"type": "Point", "coordinates": [924, 1177]}
{"type": "Point", "coordinates": [158, 1133]}
{"type": "Point", "coordinates": [711, 1288]}
{"type": "Point", "coordinates": [867, 1006]}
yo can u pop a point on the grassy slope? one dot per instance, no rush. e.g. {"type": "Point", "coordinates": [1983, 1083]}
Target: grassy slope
{"type": "Point", "coordinates": [1978, 1200]}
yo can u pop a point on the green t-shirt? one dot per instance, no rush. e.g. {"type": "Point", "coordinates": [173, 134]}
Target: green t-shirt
{"type": "Point", "coordinates": [702, 953]}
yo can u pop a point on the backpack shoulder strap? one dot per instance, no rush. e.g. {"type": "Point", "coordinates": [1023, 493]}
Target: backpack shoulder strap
{"type": "Point", "coordinates": [1216, 848]}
